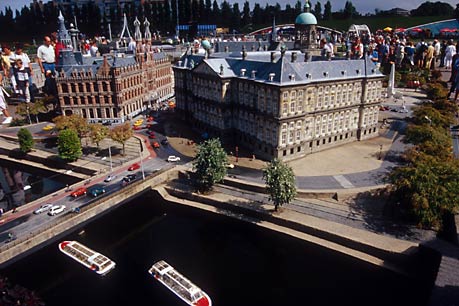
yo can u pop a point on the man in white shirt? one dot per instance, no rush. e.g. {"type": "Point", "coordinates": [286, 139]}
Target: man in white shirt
{"type": "Point", "coordinates": [46, 56]}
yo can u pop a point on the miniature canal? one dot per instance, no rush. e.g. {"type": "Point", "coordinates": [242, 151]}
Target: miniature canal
{"type": "Point", "coordinates": [236, 263]}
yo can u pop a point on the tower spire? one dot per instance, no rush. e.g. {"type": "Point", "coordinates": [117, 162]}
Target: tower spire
{"type": "Point", "coordinates": [307, 7]}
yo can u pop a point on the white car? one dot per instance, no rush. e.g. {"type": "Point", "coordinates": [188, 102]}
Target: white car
{"type": "Point", "coordinates": [43, 208]}
{"type": "Point", "coordinates": [173, 158]}
{"type": "Point", "coordinates": [230, 166]}
{"type": "Point", "coordinates": [109, 178]}
{"type": "Point", "coordinates": [56, 209]}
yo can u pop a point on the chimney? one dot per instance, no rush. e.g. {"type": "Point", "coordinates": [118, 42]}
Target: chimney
{"type": "Point", "coordinates": [243, 72]}
{"type": "Point", "coordinates": [294, 57]}
{"type": "Point", "coordinates": [273, 56]}
{"type": "Point", "coordinates": [254, 72]}
{"type": "Point", "coordinates": [307, 57]}
{"type": "Point", "coordinates": [221, 69]}
{"type": "Point", "coordinates": [271, 77]}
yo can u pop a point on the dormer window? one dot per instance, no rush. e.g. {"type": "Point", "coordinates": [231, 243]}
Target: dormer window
{"type": "Point", "coordinates": [243, 72]}
{"type": "Point", "coordinates": [308, 76]}
{"type": "Point", "coordinates": [357, 71]}
{"type": "Point", "coordinates": [343, 72]}
{"type": "Point", "coordinates": [326, 74]}
{"type": "Point", "coordinates": [292, 77]}
{"type": "Point", "coordinates": [254, 72]}
{"type": "Point", "coordinates": [271, 76]}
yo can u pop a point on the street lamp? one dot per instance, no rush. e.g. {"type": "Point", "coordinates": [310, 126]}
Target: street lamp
{"type": "Point", "coordinates": [141, 164]}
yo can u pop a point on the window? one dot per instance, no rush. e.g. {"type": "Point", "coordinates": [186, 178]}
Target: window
{"type": "Point", "coordinates": [285, 96]}
{"type": "Point", "coordinates": [284, 108]}
{"type": "Point", "coordinates": [292, 107]}
{"type": "Point", "coordinates": [298, 135]}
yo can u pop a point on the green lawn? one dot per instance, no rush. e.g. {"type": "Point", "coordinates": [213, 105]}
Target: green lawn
{"type": "Point", "coordinates": [375, 23]}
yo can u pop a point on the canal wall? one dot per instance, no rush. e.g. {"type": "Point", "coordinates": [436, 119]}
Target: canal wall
{"type": "Point", "coordinates": [394, 254]}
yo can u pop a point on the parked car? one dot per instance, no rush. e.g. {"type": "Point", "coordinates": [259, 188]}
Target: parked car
{"type": "Point", "coordinates": [110, 178]}
{"type": "Point", "coordinates": [230, 166]}
{"type": "Point", "coordinates": [164, 142]}
{"type": "Point", "coordinates": [134, 166]}
{"type": "Point", "coordinates": [43, 208]}
{"type": "Point", "coordinates": [150, 119]}
{"type": "Point", "coordinates": [128, 179]}
{"type": "Point", "coordinates": [79, 192]}
{"type": "Point", "coordinates": [97, 191]}
{"type": "Point", "coordinates": [137, 127]}
{"type": "Point", "coordinates": [56, 209]}
{"type": "Point", "coordinates": [138, 122]}
{"type": "Point", "coordinates": [173, 158]}
{"type": "Point", "coordinates": [152, 136]}
{"type": "Point", "coordinates": [155, 145]}
{"type": "Point", "coordinates": [48, 127]}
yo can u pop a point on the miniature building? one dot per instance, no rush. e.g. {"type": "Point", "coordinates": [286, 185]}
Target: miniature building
{"type": "Point", "coordinates": [279, 104]}
{"type": "Point", "coordinates": [115, 87]}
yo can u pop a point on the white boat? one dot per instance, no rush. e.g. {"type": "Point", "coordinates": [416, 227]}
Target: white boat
{"type": "Point", "coordinates": [178, 284]}
{"type": "Point", "coordinates": [87, 257]}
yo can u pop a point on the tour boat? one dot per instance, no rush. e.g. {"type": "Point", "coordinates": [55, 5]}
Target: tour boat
{"type": "Point", "coordinates": [178, 284]}
{"type": "Point", "coordinates": [87, 257]}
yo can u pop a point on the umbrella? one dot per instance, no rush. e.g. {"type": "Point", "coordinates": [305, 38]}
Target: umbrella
{"type": "Point", "coordinates": [416, 30]}
{"type": "Point", "coordinates": [399, 30]}
{"type": "Point", "coordinates": [387, 29]}
{"type": "Point", "coordinates": [446, 30]}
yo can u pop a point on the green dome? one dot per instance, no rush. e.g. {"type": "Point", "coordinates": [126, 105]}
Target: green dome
{"type": "Point", "coordinates": [206, 44]}
{"type": "Point", "coordinates": [306, 19]}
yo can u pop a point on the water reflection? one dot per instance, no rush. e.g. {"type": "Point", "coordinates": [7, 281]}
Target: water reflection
{"type": "Point", "coordinates": [18, 187]}
{"type": "Point", "coordinates": [236, 263]}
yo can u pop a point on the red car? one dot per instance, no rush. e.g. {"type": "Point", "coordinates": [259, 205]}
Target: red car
{"type": "Point", "coordinates": [152, 136]}
{"type": "Point", "coordinates": [137, 127]}
{"type": "Point", "coordinates": [79, 192]}
{"type": "Point", "coordinates": [155, 144]}
{"type": "Point", "coordinates": [134, 166]}
{"type": "Point", "coordinates": [150, 119]}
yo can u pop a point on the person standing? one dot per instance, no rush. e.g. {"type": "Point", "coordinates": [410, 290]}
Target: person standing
{"type": "Point", "coordinates": [20, 80]}
{"type": "Point", "coordinates": [449, 53]}
{"type": "Point", "coordinates": [5, 59]}
{"type": "Point", "coordinates": [46, 56]}
{"type": "Point", "coordinates": [3, 107]}
{"type": "Point", "coordinates": [429, 56]}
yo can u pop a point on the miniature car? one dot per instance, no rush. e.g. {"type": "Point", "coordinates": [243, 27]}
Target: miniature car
{"type": "Point", "coordinates": [79, 192]}
{"type": "Point", "coordinates": [96, 191]}
{"type": "Point", "coordinates": [128, 179]}
{"type": "Point", "coordinates": [109, 178]}
{"type": "Point", "coordinates": [152, 136]}
{"type": "Point", "coordinates": [134, 166]}
{"type": "Point", "coordinates": [56, 209]}
{"type": "Point", "coordinates": [138, 122]}
{"type": "Point", "coordinates": [231, 166]}
{"type": "Point", "coordinates": [150, 119]}
{"type": "Point", "coordinates": [155, 144]}
{"type": "Point", "coordinates": [48, 127]}
{"type": "Point", "coordinates": [43, 208]}
{"type": "Point", "coordinates": [173, 158]}
{"type": "Point", "coordinates": [164, 142]}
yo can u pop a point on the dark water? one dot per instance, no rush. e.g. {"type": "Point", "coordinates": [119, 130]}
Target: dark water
{"type": "Point", "coordinates": [234, 262]}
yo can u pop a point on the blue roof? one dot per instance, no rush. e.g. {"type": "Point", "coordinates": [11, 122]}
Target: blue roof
{"type": "Point", "coordinates": [435, 27]}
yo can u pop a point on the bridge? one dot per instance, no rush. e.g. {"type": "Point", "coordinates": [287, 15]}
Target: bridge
{"type": "Point", "coordinates": [290, 29]}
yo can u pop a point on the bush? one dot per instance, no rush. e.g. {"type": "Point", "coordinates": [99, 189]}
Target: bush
{"type": "Point", "coordinates": [436, 91]}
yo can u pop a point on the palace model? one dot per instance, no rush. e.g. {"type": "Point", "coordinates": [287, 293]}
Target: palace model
{"type": "Point", "coordinates": [283, 104]}
{"type": "Point", "coordinates": [115, 87]}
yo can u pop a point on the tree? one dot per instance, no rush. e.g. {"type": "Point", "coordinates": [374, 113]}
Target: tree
{"type": "Point", "coordinates": [210, 164]}
{"type": "Point", "coordinates": [121, 133]}
{"type": "Point", "coordinates": [98, 133]}
{"type": "Point", "coordinates": [430, 187]}
{"type": "Point", "coordinates": [68, 145]}
{"type": "Point", "coordinates": [317, 10]}
{"type": "Point", "coordinates": [26, 141]}
{"type": "Point", "coordinates": [246, 17]}
{"type": "Point", "coordinates": [280, 182]}
{"type": "Point", "coordinates": [327, 11]}
{"type": "Point", "coordinates": [349, 10]}
{"type": "Point", "coordinates": [73, 122]}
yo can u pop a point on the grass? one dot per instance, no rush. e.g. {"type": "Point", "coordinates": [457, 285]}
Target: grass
{"type": "Point", "coordinates": [376, 23]}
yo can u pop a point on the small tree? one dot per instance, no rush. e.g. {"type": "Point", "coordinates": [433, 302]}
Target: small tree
{"type": "Point", "coordinates": [26, 141]}
{"type": "Point", "coordinates": [68, 145]}
{"type": "Point", "coordinates": [121, 133]}
{"type": "Point", "coordinates": [280, 183]}
{"type": "Point", "coordinates": [74, 122]}
{"type": "Point", "coordinates": [210, 164]}
{"type": "Point", "coordinates": [98, 133]}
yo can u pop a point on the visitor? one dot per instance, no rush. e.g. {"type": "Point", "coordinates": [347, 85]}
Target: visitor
{"type": "Point", "coordinates": [3, 107]}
